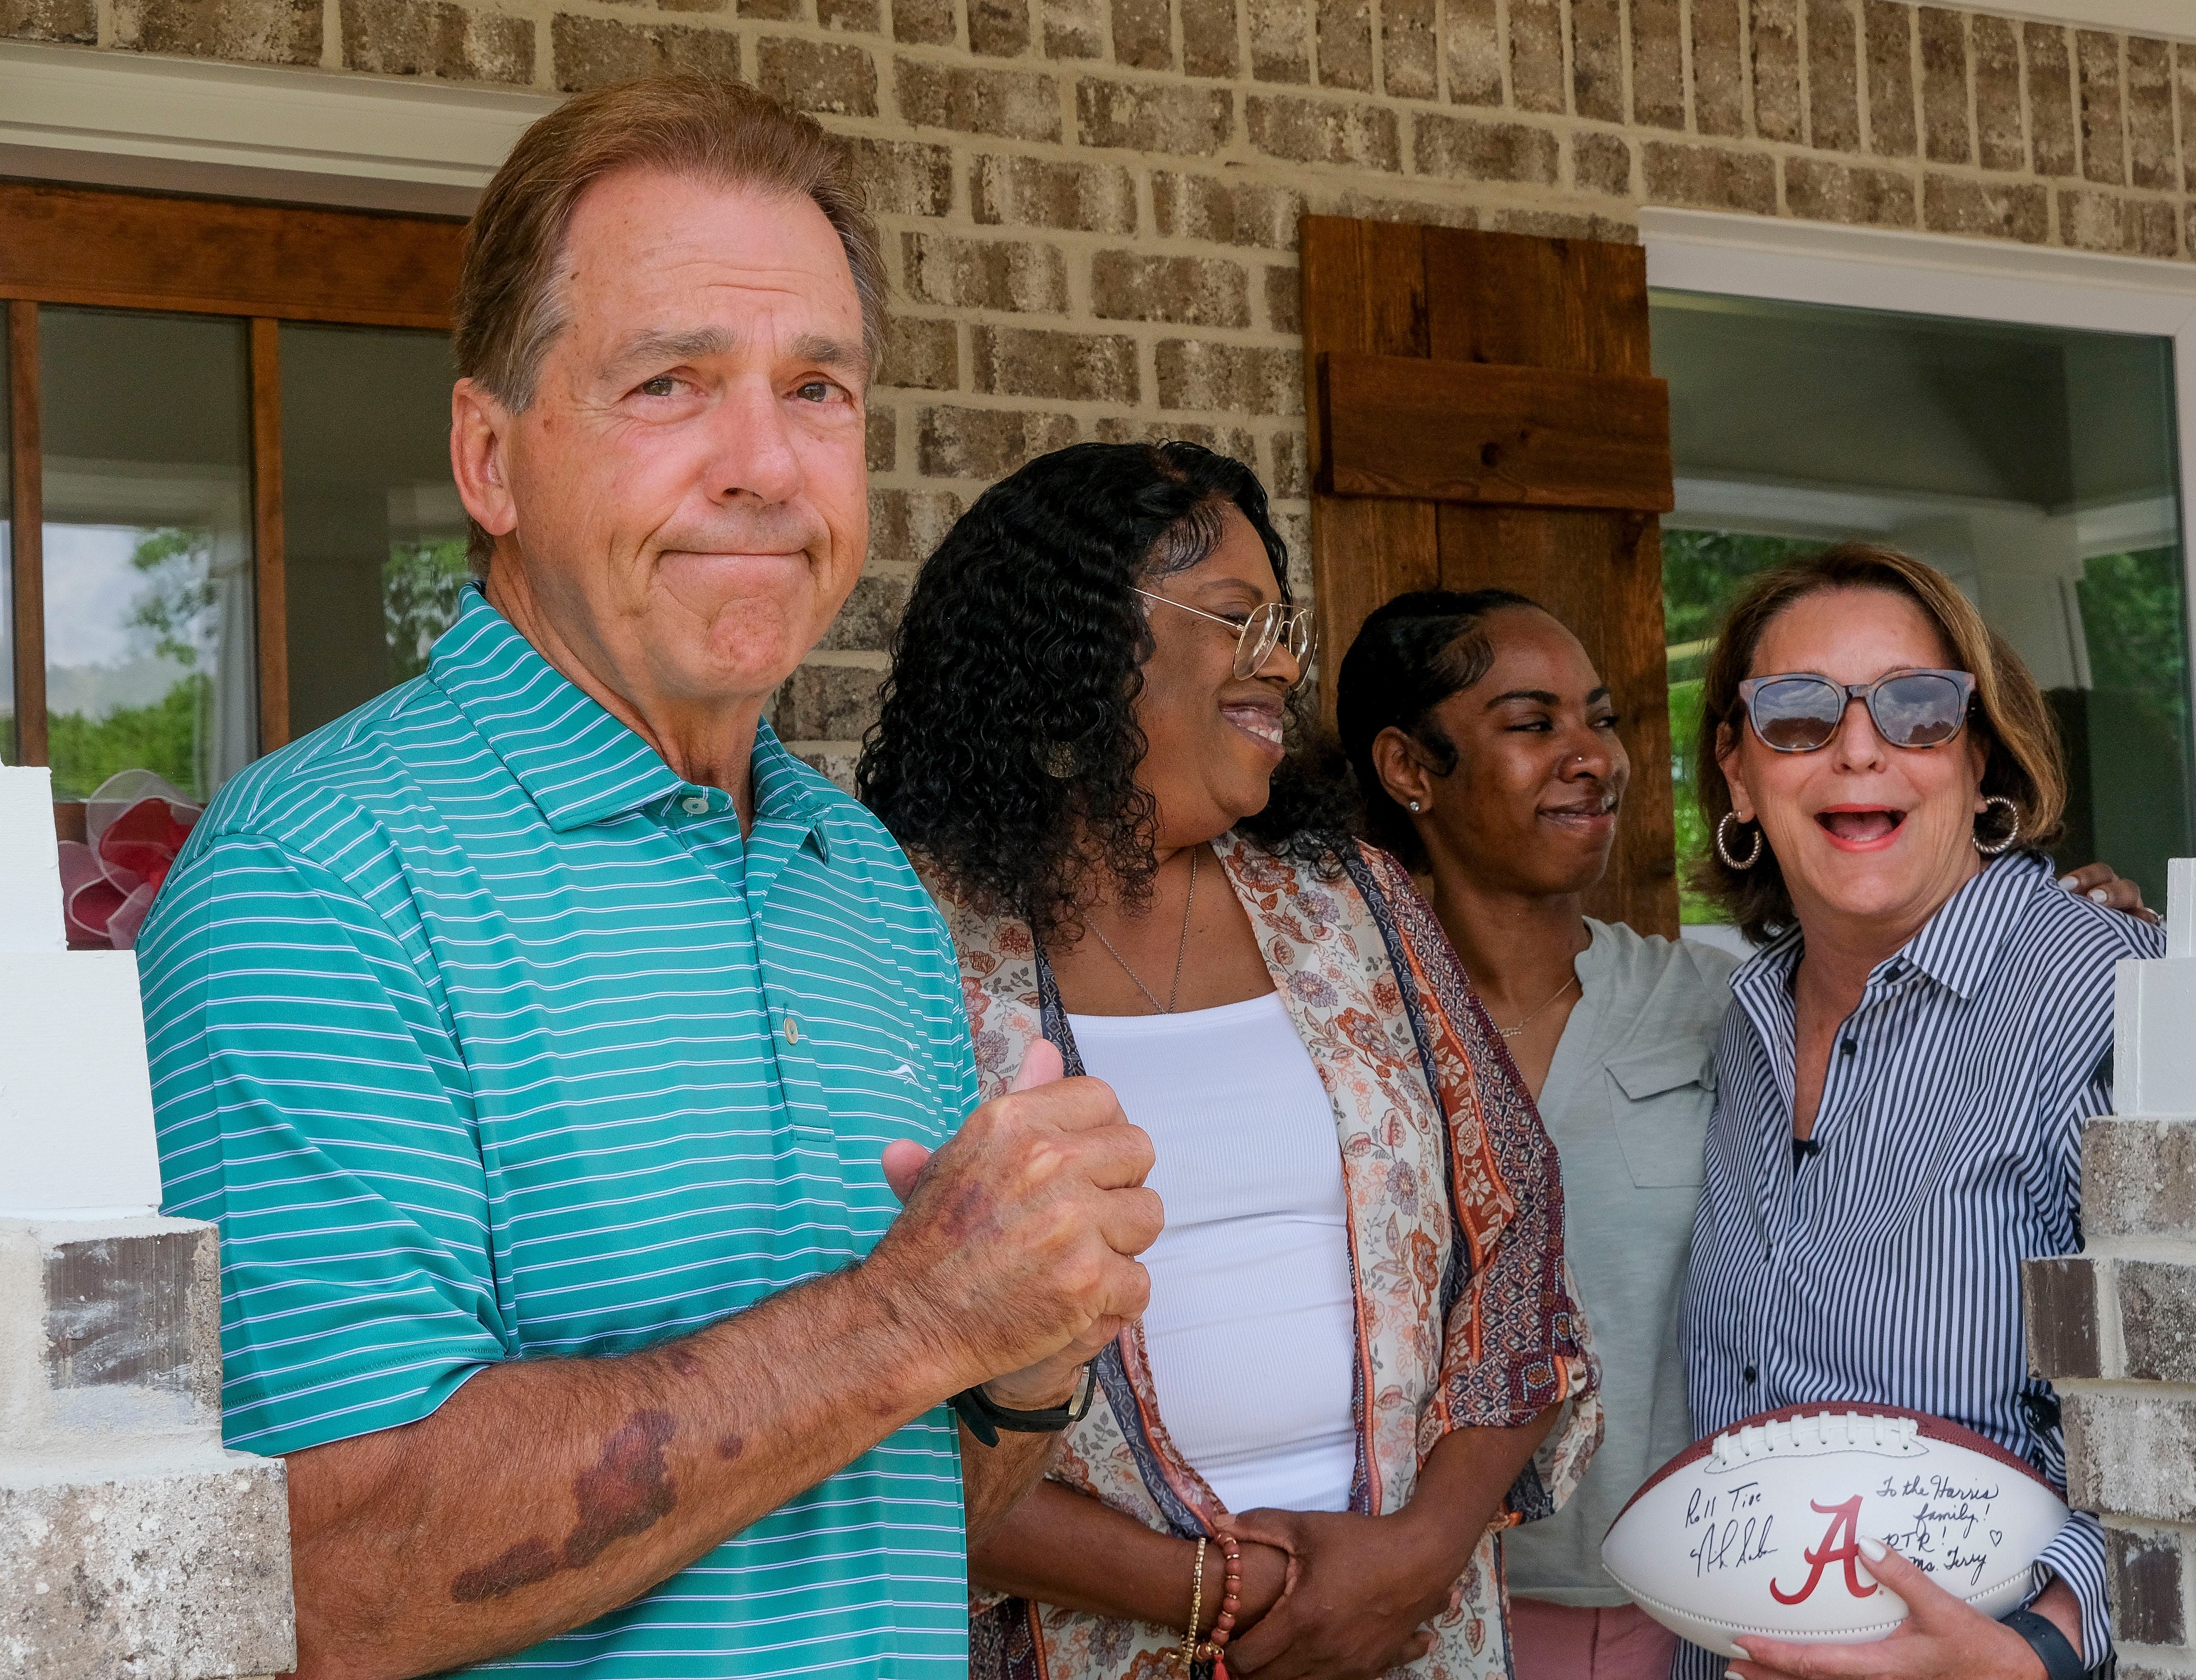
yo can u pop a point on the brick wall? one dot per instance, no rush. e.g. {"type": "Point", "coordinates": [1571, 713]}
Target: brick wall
{"type": "Point", "coordinates": [1091, 204]}
{"type": "Point", "coordinates": [2115, 1330]}
{"type": "Point", "coordinates": [2114, 1327]}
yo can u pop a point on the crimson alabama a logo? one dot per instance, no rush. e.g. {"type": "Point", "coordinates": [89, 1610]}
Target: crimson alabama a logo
{"type": "Point", "coordinates": [1841, 1544]}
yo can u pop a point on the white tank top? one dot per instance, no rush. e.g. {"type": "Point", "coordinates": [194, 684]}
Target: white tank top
{"type": "Point", "coordinates": [1252, 1327]}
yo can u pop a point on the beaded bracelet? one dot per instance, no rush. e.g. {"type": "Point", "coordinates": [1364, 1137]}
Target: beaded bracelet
{"type": "Point", "coordinates": [1193, 1650]}
{"type": "Point", "coordinates": [1187, 1654]}
{"type": "Point", "coordinates": [1231, 1591]}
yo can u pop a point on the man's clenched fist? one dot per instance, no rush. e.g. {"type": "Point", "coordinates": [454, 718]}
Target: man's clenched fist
{"type": "Point", "coordinates": [1019, 1237]}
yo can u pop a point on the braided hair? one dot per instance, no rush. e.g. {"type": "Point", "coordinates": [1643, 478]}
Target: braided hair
{"type": "Point", "coordinates": [1412, 655]}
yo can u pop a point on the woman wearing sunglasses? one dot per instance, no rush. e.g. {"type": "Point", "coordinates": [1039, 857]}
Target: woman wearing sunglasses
{"type": "Point", "coordinates": [1360, 1335]}
{"type": "Point", "coordinates": [1491, 757]}
{"type": "Point", "coordinates": [1902, 1083]}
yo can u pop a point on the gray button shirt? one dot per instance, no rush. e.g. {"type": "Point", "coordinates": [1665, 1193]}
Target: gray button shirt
{"type": "Point", "coordinates": [1627, 1102]}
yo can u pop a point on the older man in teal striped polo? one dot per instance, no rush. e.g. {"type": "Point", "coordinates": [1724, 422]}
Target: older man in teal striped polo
{"type": "Point", "coordinates": [555, 1050]}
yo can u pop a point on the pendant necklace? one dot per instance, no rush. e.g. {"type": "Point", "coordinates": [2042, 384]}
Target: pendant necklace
{"type": "Point", "coordinates": [1511, 1032]}
{"type": "Point", "coordinates": [1179, 951]}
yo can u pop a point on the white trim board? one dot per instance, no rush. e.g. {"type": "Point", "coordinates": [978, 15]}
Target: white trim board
{"type": "Point", "coordinates": [2173, 18]}
{"type": "Point", "coordinates": [115, 118]}
{"type": "Point", "coordinates": [1696, 242]}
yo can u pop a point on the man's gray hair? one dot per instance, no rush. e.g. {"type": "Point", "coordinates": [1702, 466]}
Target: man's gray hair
{"type": "Point", "coordinates": [509, 306]}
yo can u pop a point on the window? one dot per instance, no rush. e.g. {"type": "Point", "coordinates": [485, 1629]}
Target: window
{"type": "Point", "coordinates": [2037, 465]}
{"type": "Point", "coordinates": [374, 537]}
{"type": "Point", "coordinates": [145, 482]}
{"type": "Point", "coordinates": [229, 512]}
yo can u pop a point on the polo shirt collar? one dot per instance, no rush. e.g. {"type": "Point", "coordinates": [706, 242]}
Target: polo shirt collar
{"type": "Point", "coordinates": [786, 792]}
{"type": "Point", "coordinates": [577, 763]}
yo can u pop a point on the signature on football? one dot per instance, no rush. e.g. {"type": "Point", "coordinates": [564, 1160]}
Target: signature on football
{"type": "Point", "coordinates": [1942, 1533]}
{"type": "Point", "coordinates": [1732, 1532]}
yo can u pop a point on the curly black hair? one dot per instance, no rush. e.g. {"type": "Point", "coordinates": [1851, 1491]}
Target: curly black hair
{"type": "Point", "coordinates": [1005, 749]}
{"type": "Point", "coordinates": [1412, 655]}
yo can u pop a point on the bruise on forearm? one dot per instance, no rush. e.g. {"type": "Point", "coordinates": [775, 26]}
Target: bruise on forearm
{"type": "Point", "coordinates": [544, 1493]}
{"type": "Point", "coordinates": [628, 1492]}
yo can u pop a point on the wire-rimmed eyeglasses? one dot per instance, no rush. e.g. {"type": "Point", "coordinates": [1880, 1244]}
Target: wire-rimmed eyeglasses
{"type": "Point", "coordinates": [1268, 626]}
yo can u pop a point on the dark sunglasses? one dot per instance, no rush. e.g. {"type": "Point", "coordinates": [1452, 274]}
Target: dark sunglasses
{"type": "Point", "coordinates": [1799, 712]}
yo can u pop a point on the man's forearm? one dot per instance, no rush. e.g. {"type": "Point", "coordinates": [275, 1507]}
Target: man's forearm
{"type": "Point", "coordinates": [543, 1494]}
{"type": "Point", "coordinates": [995, 1479]}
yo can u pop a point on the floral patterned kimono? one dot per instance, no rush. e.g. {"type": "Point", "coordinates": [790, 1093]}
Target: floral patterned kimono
{"type": "Point", "coordinates": [1465, 1313]}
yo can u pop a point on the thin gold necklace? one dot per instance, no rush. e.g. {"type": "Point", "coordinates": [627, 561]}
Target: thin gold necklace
{"type": "Point", "coordinates": [1179, 951]}
{"type": "Point", "coordinates": [1511, 1032]}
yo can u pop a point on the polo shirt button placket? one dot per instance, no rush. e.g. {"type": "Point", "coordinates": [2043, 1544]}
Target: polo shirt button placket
{"type": "Point", "coordinates": [695, 805]}
{"type": "Point", "coordinates": [810, 1116]}
{"type": "Point", "coordinates": [810, 1137]}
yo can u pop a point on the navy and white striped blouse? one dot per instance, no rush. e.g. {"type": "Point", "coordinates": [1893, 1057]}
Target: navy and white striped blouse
{"type": "Point", "coordinates": [1886, 1266]}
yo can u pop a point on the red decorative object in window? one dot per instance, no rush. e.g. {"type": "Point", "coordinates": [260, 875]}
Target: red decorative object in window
{"type": "Point", "coordinates": [136, 823]}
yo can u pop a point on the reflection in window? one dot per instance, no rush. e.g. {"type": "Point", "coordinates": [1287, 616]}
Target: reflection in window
{"type": "Point", "coordinates": [375, 536]}
{"type": "Point", "coordinates": [1702, 571]}
{"type": "Point", "coordinates": [148, 563]}
{"type": "Point", "coordinates": [2127, 726]}
{"type": "Point", "coordinates": [2035, 467]}
{"type": "Point", "coordinates": [419, 586]}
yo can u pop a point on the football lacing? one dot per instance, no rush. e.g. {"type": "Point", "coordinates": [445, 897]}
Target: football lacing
{"type": "Point", "coordinates": [1810, 1430]}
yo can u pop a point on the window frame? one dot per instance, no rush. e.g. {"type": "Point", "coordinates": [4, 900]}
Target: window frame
{"type": "Point", "coordinates": [1955, 279]}
{"type": "Point", "coordinates": [177, 254]}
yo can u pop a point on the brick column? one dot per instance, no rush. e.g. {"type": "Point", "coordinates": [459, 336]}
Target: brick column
{"type": "Point", "coordinates": [2114, 1327]}
{"type": "Point", "coordinates": [132, 1545]}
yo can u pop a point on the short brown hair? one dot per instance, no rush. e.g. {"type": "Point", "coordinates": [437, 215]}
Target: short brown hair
{"type": "Point", "coordinates": [2024, 764]}
{"type": "Point", "coordinates": [509, 304]}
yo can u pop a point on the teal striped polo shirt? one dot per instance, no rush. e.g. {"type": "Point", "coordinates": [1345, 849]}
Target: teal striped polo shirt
{"type": "Point", "coordinates": [484, 1036]}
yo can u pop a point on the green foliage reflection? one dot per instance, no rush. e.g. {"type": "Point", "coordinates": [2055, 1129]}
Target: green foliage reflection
{"type": "Point", "coordinates": [179, 610]}
{"type": "Point", "coordinates": [162, 737]}
{"type": "Point", "coordinates": [419, 586]}
{"type": "Point", "coordinates": [2129, 763]}
{"type": "Point", "coordinates": [1701, 572]}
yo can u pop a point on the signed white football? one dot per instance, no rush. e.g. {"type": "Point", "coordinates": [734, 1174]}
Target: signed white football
{"type": "Point", "coordinates": [1757, 1530]}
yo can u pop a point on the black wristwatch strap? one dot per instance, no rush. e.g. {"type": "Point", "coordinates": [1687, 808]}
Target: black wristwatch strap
{"type": "Point", "coordinates": [2044, 1637]}
{"type": "Point", "coordinates": [986, 1419]}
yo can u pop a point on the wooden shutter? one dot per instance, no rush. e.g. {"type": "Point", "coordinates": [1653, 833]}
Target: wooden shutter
{"type": "Point", "coordinates": [1481, 414]}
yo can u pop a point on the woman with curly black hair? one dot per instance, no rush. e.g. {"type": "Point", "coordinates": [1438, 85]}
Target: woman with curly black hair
{"type": "Point", "coordinates": [1360, 1333]}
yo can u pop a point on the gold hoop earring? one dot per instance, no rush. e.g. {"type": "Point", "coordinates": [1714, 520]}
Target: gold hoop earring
{"type": "Point", "coordinates": [2012, 833]}
{"type": "Point", "coordinates": [1723, 844]}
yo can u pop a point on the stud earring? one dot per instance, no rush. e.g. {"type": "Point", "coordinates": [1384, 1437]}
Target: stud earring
{"type": "Point", "coordinates": [1415, 807]}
